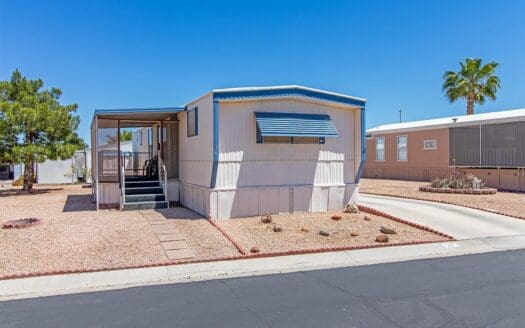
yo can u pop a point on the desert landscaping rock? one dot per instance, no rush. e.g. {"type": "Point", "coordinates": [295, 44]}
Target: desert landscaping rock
{"type": "Point", "coordinates": [324, 233]}
{"type": "Point", "coordinates": [382, 239]}
{"type": "Point", "coordinates": [254, 250]}
{"type": "Point", "coordinates": [266, 218]}
{"type": "Point", "coordinates": [354, 234]}
{"type": "Point", "coordinates": [336, 217]}
{"type": "Point", "coordinates": [277, 228]}
{"type": "Point", "coordinates": [351, 208]}
{"type": "Point", "coordinates": [387, 231]}
{"type": "Point", "coordinates": [367, 218]}
{"type": "Point", "coordinates": [301, 232]}
{"type": "Point", "coordinates": [20, 223]}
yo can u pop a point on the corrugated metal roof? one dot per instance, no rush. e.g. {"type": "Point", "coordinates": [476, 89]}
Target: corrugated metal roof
{"type": "Point", "coordinates": [295, 125]}
{"type": "Point", "coordinates": [453, 121]}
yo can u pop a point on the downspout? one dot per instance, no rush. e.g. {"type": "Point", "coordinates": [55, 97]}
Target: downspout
{"type": "Point", "coordinates": [215, 163]}
{"type": "Point", "coordinates": [363, 147]}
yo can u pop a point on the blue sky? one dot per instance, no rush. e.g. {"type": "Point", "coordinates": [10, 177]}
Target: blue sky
{"type": "Point", "coordinates": [113, 54]}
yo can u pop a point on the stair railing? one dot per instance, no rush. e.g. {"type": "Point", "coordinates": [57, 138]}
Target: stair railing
{"type": "Point", "coordinates": [163, 178]}
{"type": "Point", "coordinates": [122, 184]}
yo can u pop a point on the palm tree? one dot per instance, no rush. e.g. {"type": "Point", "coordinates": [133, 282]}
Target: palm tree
{"type": "Point", "coordinates": [473, 82]}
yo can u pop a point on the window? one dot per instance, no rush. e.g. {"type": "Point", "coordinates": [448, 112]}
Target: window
{"type": "Point", "coordinates": [193, 122]}
{"type": "Point", "coordinates": [290, 140]}
{"type": "Point", "coordinates": [430, 144]}
{"type": "Point", "coordinates": [402, 149]}
{"type": "Point", "coordinates": [380, 149]}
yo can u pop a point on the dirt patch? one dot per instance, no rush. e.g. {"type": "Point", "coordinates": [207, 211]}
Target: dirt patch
{"type": "Point", "coordinates": [308, 231]}
{"type": "Point", "coordinates": [508, 203]}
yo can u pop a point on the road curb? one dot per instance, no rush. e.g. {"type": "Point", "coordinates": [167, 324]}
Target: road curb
{"type": "Point", "coordinates": [119, 279]}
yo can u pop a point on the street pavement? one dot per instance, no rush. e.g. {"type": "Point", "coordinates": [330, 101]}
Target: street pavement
{"type": "Point", "coordinates": [485, 290]}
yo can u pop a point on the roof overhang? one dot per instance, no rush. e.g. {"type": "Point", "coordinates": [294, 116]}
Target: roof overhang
{"type": "Point", "coordinates": [139, 114]}
{"type": "Point", "coordinates": [288, 91]}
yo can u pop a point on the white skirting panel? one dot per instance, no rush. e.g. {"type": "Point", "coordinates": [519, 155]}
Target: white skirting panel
{"type": "Point", "coordinates": [242, 202]}
{"type": "Point", "coordinates": [108, 193]}
{"type": "Point", "coordinates": [196, 198]}
{"type": "Point", "coordinates": [173, 190]}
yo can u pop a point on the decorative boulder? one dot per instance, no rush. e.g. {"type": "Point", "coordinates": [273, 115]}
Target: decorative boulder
{"type": "Point", "coordinates": [351, 208]}
{"type": "Point", "coordinates": [382, 239]}
{"type": "Point", "coordinates": [324, 233]}
{"type": "Point", "coordinates": [336, 217]}
{"type": "Point", "coordinates": [387, 231]}
{"type": "Point", "coordinates": [267, 218]}
{"type": "Point", "coordinates": [367, 218]}
{"type": "Point", "coordinates": [254, 249]}
{"type": "Point", "coordinates": [354, 234]}
{"type": "Point", "coordinates": [277, 228]}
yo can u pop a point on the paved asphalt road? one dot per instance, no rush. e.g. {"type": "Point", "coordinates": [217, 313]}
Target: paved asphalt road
{"type": "Point", "coordinates": [486, 290]}
{"type": "Point", "coordinates": [460, 222]}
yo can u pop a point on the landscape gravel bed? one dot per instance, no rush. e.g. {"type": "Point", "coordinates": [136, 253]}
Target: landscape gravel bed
{"type": "Point", "coordinates": [508, 203]}
{"type": "Point", "coordinates": [301, 231]}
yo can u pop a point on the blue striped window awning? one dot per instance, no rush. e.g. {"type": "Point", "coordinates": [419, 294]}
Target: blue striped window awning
{"type": "Point", "coordinates": [272, 124]}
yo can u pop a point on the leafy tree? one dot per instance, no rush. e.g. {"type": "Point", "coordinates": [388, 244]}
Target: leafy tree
{"type": "Point", "coordinates": [125, 135]}
{"type": "Point", "coordinates": [34, 125]}
{"type": "Point", "coordinates": [473, 82]}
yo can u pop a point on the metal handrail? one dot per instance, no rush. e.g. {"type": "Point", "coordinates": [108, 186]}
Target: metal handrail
{"type": "Point", "coordinates": [163, 178]}
{"type": "Point", "coordinates": [122, 185]}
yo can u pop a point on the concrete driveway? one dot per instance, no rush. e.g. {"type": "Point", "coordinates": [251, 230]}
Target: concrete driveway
{"type": "Point", "coordinates": [457, 221]}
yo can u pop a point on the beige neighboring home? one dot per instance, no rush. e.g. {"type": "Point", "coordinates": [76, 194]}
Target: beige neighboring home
{"type": "Point", "coordinates": [489, 145]}
{"type": "Point", "coordinates": [234, 153]}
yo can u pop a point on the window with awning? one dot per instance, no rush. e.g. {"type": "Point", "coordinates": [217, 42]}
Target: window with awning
{"type": "Point", "coordinates": [276, 127]}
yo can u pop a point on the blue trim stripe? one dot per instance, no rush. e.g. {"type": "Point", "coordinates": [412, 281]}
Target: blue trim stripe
{"type": "Point", "coordinates": [288, 91]}
{"type": "Point", "coordinates": [363, 147]}
{"type": "Point", "coordinates": [122, 111]}
{"type": "Point", "coordinates": [276, 124]}
{"type": "Point", "coordinates": [215, 164]}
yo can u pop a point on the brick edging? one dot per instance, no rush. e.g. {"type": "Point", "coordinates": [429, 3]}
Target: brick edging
{"type": "Point", "coordinates": [444, 202]}
{"type": "Point", "coordinates": [227, 235]}
{"type": "Point", "coordinates": [246, 255]}
{"type": "Point", "coordinates": [394, 218]}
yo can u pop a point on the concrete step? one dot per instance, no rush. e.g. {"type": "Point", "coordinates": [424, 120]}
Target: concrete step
{"type": "Point", "coordinates": [144, 206]}
{"type": "Point", "coordinates": [143, 190]}
{"type": "Point", "coordinates": [144, 198]}
{"type": "Point", "coordinates": [140, 178]}
{"type": "Point", "coordinates": [137, 184]}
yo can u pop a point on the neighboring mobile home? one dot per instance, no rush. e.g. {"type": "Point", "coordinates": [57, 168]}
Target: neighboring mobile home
{"type": "Point", "coordinates": [234, 153]}
{"type": "Point", "coordinates": [489, 145]}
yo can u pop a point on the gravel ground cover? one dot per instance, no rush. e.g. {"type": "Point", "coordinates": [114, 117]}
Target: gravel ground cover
{"type": "Point", "coordinates": [73, 236]}
{"type": "Point", "coordinates": [504, 202]}
{"type": "Point", "coordinates": [203, 238]}
{"type": "Point", "coordinates": [300, 231]}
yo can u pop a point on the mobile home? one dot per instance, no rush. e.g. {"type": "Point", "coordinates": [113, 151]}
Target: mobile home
{"type": "Point", "coordinates": [489, 145]}
{"type": "Point", "coordinates": [234, 153]}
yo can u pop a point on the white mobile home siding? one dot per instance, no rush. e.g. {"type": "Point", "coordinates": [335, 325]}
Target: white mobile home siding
{"type": "Point", "coordinates": [254, 179]}
{"type": "Point", "coordinates": [196, 157]}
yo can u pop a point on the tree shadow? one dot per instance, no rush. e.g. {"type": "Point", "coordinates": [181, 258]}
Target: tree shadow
{"type": "Point", "coordinates": [79, 203]}
{"type": "Point", "coordinates": [20, 192]}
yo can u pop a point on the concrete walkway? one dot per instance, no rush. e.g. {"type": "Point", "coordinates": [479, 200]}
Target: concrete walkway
{"type": "Point", "coordinates": [118, 279]}
{"type": "Point", "coordinates": [457, 221]}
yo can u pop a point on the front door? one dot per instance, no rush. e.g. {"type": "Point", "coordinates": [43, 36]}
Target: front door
{"type": "Point", "coordinates": [169, 147]}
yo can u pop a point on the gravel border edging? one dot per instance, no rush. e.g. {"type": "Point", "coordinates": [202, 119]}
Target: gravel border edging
{"type": "Point", "coordinates": [250, 255]}
{"type": "Point", "coordinates": [445, 202]}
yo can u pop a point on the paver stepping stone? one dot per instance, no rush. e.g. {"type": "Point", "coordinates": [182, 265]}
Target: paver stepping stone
{"type": "Point", "coordinates": [164, 229]}
{"type": "Point", "coordinates": [176, 244]}
{"type": "Point", "coordinates": [171, 237]}
{"type": "Point", "coordinates": [180, 254]}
